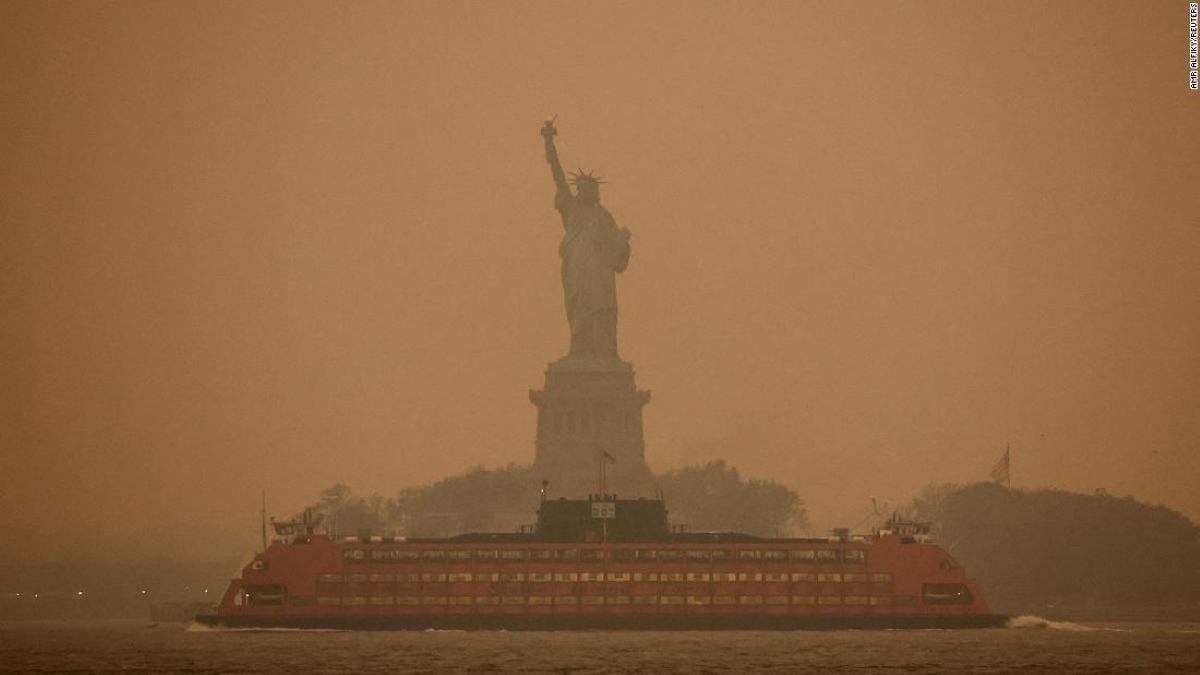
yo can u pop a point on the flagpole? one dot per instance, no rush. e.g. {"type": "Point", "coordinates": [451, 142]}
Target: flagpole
{"type": "Point", "coordinates": [1008, 465]}
{"type": "Point", "coordinates": [603, 477]}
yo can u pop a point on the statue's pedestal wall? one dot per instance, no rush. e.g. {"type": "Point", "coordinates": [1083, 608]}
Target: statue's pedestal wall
{"type": "Point", "coordinates": [584, 413]}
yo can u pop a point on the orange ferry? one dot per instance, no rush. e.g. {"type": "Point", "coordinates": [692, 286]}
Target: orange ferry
{"type": "Point", "coordinates": [604, 563]}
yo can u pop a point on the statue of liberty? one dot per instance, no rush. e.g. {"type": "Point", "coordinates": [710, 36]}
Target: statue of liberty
{"type": "Point", "coordinates": [593, 251]}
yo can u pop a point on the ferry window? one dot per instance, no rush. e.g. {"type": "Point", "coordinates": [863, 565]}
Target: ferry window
{"type": "Point", "coordinates": [648, 555]}
{"type": "Point", "coordinates": [387, 555]}
{"type": "Point", "coordinates": [670, 556]}
{"type": "Point", "coordinates": [881, 578]}
{"type": "Point", "coordinates": [458, 556]}
{"type": "Point", "coordinates": [854, 556]}
{"type": "Point", "coordinates": [357, 578]}
{"type": "Point", "coordinates": [827, 555]}
{"type": "Point", "coordinates": [804, 555]}
{"type": "Point", "coordinates": [382, 577]}
{"type": "Point", "coordinates": [624, 554]}
{"type": "Point", "coordinates": [486, 556]}
{"type": "Point", "coordinates": [775, 556]}
{"type": "Point", "coordinates": [541, 554]}
{"type": "Point", "coordinates": [569, 555]}
{"type": "Point", "coordinates": [722, 555]}
{"type": "Point", "coordinates": [698, 556]}
{"type": "Point", "coordinates": [591, 555]}
{"type": "Point", "coordinates": [511, 555]}
{"type": "Point", "coordinates": [265, 594]}
{"type": "Point", "coordinates": [749, 556]}
{"type": "Point", "coordinates": [329, 577]}
{"type": "Point", "coordinates": [433, 556]}
{"type": "Point", "coordinates": [947, 594]}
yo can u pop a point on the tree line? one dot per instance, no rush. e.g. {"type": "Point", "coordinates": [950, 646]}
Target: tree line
{"type": "Point", "coordinates": [1047, 551]}
{"type": "Point", "coordinates": [710, 497]}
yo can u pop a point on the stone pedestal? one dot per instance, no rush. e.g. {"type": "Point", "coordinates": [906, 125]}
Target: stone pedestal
{"type": "Point", "coordinates": [584, 412]}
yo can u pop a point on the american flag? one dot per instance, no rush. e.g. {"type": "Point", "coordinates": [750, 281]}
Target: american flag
{"type": "Point", "coordinates": [1000, 472]}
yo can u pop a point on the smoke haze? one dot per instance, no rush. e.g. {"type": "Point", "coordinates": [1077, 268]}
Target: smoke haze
{"type": "Point", "coordinates": [249, 246]}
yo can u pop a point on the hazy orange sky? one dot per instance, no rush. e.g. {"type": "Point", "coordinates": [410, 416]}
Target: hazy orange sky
{"type": "Point", "coordinates": [278, 246]}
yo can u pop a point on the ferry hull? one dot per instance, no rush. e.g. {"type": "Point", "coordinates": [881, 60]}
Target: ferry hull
{"type": "Point", "coordinates": [609, 622]}
{"type": "Point", "coordinates": [566, 577]}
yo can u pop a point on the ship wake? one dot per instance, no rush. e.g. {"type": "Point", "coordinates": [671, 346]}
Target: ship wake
{"type": "Point", "coordinates": [1032, 621]}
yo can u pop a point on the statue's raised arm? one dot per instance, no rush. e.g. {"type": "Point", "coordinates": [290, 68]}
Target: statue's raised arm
{"type": "Point", "coordinates": [562, 190]}
{"type": "Point", "coordinates": [593, 251]}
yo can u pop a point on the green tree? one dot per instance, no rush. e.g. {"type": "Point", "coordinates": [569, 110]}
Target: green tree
{"type": "Point", "coordinates": [1034, 549]}
{"type": "Point", "coordinates": [713, 497]}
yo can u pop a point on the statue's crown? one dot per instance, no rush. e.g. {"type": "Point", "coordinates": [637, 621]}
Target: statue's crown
{"type": "Point", "coordinates": [585, 177]}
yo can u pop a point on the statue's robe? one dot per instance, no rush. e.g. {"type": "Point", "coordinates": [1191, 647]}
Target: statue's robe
{"type": "Point", "coordinates": [593, 250]}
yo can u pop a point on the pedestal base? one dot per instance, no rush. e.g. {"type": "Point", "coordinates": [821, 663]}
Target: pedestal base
{"type": "Point", "coordinates": [589, 414]}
